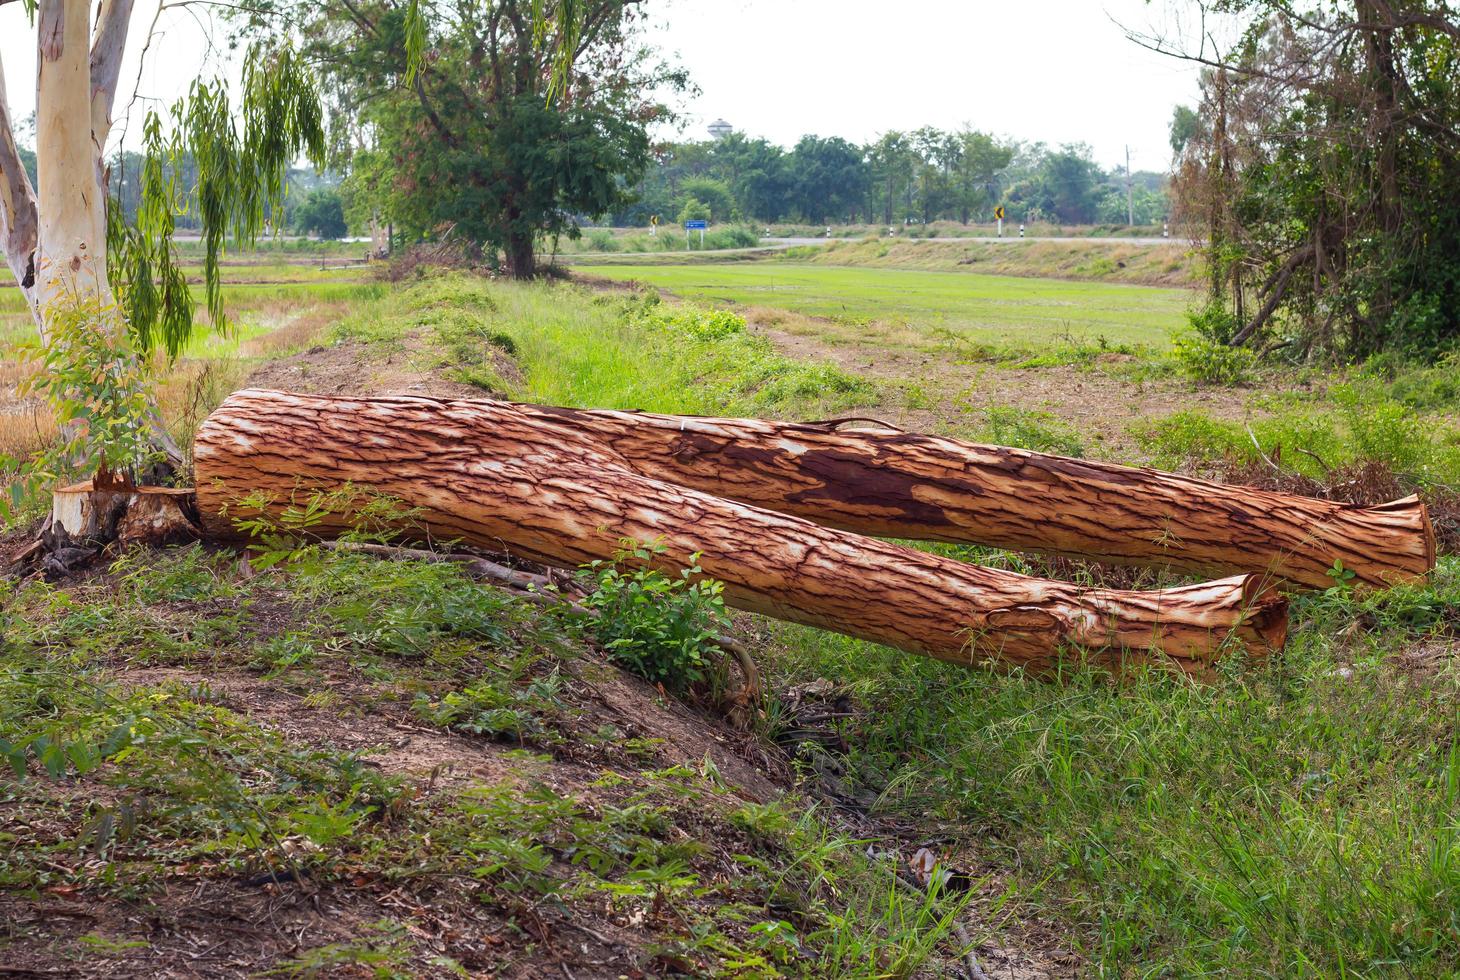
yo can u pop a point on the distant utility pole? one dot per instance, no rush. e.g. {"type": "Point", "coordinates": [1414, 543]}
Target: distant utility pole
{"type": "Point", "coordinates": [1130, 199]}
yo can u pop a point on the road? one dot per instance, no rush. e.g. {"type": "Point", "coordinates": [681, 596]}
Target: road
{"type": "Point", "coordinates": [780, 244]}
{"type": "Point", "coordinates": [1006, 240]}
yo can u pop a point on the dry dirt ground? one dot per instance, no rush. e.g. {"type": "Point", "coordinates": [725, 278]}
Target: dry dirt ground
{"type": "Point", "coordinates": [202, 922]}
{"type": "Point", "coordinates": [1092, 398]}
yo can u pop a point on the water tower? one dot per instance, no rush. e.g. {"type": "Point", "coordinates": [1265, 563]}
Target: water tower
{"type": "Point", "coordinates": [719, 129]}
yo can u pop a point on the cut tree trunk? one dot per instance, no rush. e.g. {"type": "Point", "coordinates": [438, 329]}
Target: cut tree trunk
{"type": "Point", "coordinates": [905, 485]}
{"type": "Point", "coordinates": [502, 477]}
{"type": "Point", "coordinates": [87, 520]}
{"type": "Point", "coordinates": [125, 515]}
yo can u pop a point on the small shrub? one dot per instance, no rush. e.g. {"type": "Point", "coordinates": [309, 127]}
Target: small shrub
{"type": "Point", "coordinates": [1214, 323]}
{"type": "Point", "coordinates": [601, 240]}
{"type": "Point", "coordinates": [1385, 431]}
{"type": "Point", "coordinates": [735, 237]}
{"type": "Point", "coordinates": [701, 324]}
{"type": "Point", "coordinates": [1209, 362]}
{"type": "Point", "coordinates": [658, 627]}
{"type": "Point", "coordinates": [1205, 354]}
{"type": "Point", "coordinates": [1434, 386]}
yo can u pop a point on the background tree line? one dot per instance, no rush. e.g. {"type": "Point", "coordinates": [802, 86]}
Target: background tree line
{"type": "Point", "coordinates": [915, 176]}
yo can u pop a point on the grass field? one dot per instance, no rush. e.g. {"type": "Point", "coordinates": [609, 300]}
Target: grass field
{"type": "Point", "coordinates": [1297, 817]}
{"type": "Point", "coordinates": [930, 307]}
{"type": "Point", "coordinates": [267, 319]}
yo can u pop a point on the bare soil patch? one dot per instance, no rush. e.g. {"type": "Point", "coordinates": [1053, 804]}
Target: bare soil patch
{"type": "Point", "coordinates": [1100, 405]}
{"type": "Point", "coordinates": [355, 368]}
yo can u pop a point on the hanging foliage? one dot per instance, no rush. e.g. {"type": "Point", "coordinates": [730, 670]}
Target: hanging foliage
{"type": "Point", "coordinates": [240, 186]}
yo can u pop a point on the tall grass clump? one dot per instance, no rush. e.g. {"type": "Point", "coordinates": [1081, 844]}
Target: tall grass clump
{"type": "Point", "coordinates": [1362, 423]}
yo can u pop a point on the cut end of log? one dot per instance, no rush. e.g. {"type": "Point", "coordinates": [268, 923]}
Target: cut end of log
{"type": "Point", "coordinates": [1265, 627]}
{"type": "Point", "coordinates": [1416, 514]}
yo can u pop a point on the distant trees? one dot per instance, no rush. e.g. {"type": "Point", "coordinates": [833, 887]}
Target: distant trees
{"type": "Point", "coordinates": [497, 123]}
{"type": "Point", "coordinates": [918, 176]}
{"type": "Point", "coordinates": [980, 163]}
{"type": "Point", "coordinates": [1323, 167]}
{"type": "Point", "coordinates": [828, 179]}
{"type": "Point", "coordinates": [718, 203]}
{"type": "Point", "coordinates": [758, 173]}
{"type": "Point", "coordinates": [320, 213]}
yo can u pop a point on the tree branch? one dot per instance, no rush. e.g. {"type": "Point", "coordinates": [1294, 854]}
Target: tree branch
{"type": "Point", "coordinates": [109, 41]}
{"type": "Point", "coordinates": [17, 202]}
{"type": "Point", "coordinates": [1276, 287]}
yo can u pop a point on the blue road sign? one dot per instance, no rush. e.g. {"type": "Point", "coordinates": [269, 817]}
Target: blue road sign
{"type": "Point", "coordinates": [697, 225]}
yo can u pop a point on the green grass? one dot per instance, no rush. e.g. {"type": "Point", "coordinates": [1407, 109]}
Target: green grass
{"type": "Point", "coordinates": [118, 787]}
{"type": "Point", "coordinates": [16, 325]}
{"type": "Point", "coordinates": [605, 351]}
{"type": "Point", "coordinates": [996, 311]}
{"type": "Point", "coordinates": [1355, 422]}
{"type": "Point", "coordinates": [1298, 818]}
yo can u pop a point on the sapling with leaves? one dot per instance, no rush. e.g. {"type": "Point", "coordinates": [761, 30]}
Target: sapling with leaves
{"type": "Point", "coordinates": [107, 293]}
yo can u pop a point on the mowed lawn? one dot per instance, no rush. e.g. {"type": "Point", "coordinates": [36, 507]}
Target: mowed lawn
{"type": "Point", "coordinates": [981, 309]}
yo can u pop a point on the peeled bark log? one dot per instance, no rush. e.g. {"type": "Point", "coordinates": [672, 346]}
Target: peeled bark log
{"type": "Point", "coordinates": [503, 477]}
{"type": "Point", "coordinates": [905, 485]}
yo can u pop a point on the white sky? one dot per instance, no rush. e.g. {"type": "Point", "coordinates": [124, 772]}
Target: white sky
{"type": "Point", "coordinates": [1053, 70]}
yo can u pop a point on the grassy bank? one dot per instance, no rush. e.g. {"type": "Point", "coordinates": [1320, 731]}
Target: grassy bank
{"type": "Point", "coordinates": [194, 740]}
{"type": "Point", "coordinates": [1170, 264]}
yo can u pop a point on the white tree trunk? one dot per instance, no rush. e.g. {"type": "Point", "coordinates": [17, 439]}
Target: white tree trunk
{"type": "Point", "coordinates": [71, 196]}
{"type": "Point", "coordinates": [107, 46]}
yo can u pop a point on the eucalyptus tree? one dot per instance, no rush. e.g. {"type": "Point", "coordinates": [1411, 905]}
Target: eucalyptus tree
{"type": "Point", "coordinates": [937, 153]}
{"type": "Point", "coordinates": [105, 291]}
{"type": "Point", "coordinates": [891, 161]}
{"type": "Point", "coordinates": [980, 165]}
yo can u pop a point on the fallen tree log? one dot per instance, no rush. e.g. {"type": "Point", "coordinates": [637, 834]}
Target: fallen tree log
{"type": "Point", "coordinates": [905, 485]}
{"type": "Point", "coordinates": [501, 477]}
